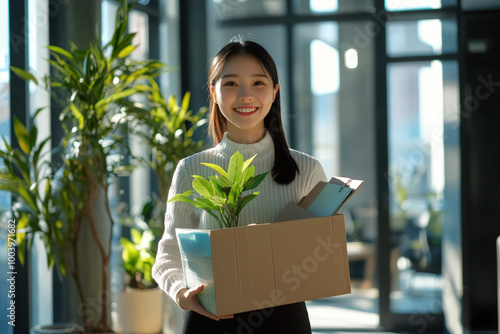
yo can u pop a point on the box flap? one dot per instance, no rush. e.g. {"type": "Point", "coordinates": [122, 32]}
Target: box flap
{"type": "Point", "coordinates": [293, 212]}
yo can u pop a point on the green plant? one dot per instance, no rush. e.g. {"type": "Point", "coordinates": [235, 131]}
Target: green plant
{"type": "Point", "coordinates": [170, 132]}
{"type": "Point", "coordinates": [221, 195]}
{"type": "Point", "coordinates": [93, 85]}
{"type": "Point", "coordinates": [28, 176]}
{"type": "Point", "coordinates": [138, 257]}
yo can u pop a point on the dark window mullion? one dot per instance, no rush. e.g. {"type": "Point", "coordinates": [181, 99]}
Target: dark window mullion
{"type": "Point", "coordinates": [19, 101]}
{"type": "Point", "coordinates": [382, 168]}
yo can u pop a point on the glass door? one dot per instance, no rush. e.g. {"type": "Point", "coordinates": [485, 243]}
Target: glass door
{"type": "Point", "coordinates": [423, 166]}
{"type": "Point", "coordinates": [334, 121]}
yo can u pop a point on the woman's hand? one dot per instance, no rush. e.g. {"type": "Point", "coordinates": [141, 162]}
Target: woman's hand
{"type": "Point", "coordinates": [188, 300]}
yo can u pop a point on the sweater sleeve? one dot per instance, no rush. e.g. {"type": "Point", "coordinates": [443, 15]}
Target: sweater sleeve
{"type": "Point", "coordinates": [167, 270]}
{"type": "Point", "coordinates": [310, 172]}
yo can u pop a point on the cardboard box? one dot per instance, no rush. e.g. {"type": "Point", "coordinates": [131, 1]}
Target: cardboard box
{"type": "Point", "coordinates": [260, 266]}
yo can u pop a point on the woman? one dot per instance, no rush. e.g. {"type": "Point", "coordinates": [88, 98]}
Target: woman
{"type": "Point", "coordinates": [245, 117]}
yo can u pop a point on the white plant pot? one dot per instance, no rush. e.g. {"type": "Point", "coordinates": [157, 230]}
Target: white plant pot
{"type": "Point", "coordinates": [139, 311]}
{"type": "Point", "coordinates": [58, 328]}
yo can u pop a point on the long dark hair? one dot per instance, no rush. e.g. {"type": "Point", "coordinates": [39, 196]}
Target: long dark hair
{"type": "Point", "coordinates": [285, 167]}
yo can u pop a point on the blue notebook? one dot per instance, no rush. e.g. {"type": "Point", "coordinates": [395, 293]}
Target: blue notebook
{"type": "Point", "coordinates": [327, 198]}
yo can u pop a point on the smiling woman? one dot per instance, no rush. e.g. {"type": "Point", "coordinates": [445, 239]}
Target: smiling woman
{"type": "Point", "coordinates": [244, 94]}
{"type": "Point", "coordinates": [246, 118]}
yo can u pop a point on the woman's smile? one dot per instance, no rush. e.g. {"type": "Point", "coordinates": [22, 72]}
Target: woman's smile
{"type": "Point", "coordinates": [246, 111]}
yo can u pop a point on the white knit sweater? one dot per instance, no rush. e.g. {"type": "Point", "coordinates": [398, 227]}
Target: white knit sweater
{"type": "Point", "coordinates": [265, 208]}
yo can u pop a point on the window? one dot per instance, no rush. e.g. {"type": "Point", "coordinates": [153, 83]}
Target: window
{"type": "Point", "coordinates": [342, 62]}
{"type": "Point", "coordinates": [423, 111]}
{"type": "Point", "coordinates": [5, 201]}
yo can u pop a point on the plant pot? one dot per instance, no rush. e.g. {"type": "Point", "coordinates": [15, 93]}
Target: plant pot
{"type": "Point", "coordinates": [139, 311]}
{"type": "Point", "coordinates": [59, 328]}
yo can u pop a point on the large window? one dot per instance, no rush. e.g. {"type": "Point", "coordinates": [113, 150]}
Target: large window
{"type": "Point", "coordinates": [4, 133]}
{"type": "Point", "coordinates": [344, 66]}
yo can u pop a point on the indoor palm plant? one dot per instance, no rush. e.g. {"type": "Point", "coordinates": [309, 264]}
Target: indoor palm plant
{"type": "Point", "coordinates": [170, 132]}
{"type": "Point", "coordinates": [93, 85]}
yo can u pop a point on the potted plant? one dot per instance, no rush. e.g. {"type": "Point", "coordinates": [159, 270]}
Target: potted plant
{"type": "Point", "coordinates": [140, 304]}
{"type": "Point", "coordinates": [92, 84]}
{"type": "Point", "coordinates": [222, 195]}
{"type": "Point", "coordinates": [170, 131]}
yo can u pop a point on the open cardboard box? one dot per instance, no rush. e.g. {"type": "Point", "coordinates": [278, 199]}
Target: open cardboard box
{"type": "Point", "coordinates": [260, 266]}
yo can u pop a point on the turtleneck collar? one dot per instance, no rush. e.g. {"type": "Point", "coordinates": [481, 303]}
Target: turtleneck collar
{"type": "Point", "coordinates": [263, 148]}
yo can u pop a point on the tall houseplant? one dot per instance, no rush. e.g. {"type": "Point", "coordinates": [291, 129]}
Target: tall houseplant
{"type": "Point", "coordinates": [93, 85]}
{"type": "Point", "coordinates": [170, 132]}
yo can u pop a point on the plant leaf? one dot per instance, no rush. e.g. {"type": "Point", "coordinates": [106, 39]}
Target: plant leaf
{"type": "Point", "coordinates": [183, 198]}
{"type": "Point", "coordinates": [126, 51]}
{"type": "Point", "coordinates": [25, 75]}
{"type": "Point", "coordinates": [78, 116]}
{"type": "Point", "coordinates": [217, 168]}
{"type": "Point", "coordinates": [22, 136]}
{"type": "Point", "coordinates": [203, 187]}
{"type": "Point", "coordinates": [244, 201]}
{"type": "Point", "coordinates": [234, 170]}
{"type": "Point", "coordinates": [114, 97]}
{"type": "Point", "coordinates": [217, 186]}
{"type": "Point", "coordinates": [247, 175]}
{"type": "Point", "coordinates": [136, 236]}
{"type": "Point", "coordinates": [205, 204]}
{"type": "Point", "coordinates": [254, 182]}
{"type": "Point", "coordinates": [60, 51]}
{"type": "Point", "coordinates": [248, 162]}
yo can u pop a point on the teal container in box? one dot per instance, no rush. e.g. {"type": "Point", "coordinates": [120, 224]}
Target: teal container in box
{"type": "Point", "coordinates": [196, 255]}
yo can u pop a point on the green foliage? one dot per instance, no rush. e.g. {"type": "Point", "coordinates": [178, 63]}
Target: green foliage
{"type": "Point", "coordinates": [94, 86]}
{"type": "Point", "coordinates": [170, 132]}
{"type": "Point", "coordinates": [222, 195]}
{"type": "Point", "coordinates": [138, 257]}
{"type": "Point", "coordinates": [37, 208]}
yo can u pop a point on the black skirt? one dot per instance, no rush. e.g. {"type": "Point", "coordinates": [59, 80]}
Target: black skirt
{"type": "Point", "coordinates": [290, 319]}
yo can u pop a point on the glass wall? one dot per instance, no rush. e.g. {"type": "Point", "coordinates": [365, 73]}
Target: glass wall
{"type": "Point", "coordinates": [318, 7]}
{"type": "Point", "coordinates": [423, 128]}
{"type": "Point", "coordinates": [334, 118]}
{"type": "Point", "coordinates": [4, 196]}
{"type": "Point", "coordinates": [326, 74]}
{"type": "Point", "coordinates": [231, 9]}
{"type": "Point", "coordinates": [326, 51]}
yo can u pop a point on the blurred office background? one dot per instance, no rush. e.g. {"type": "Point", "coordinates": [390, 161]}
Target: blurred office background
{"type": "Point", "coordinates": [402, 94]}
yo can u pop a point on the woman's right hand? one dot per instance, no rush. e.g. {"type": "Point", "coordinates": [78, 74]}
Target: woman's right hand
{"type": "Point", "coordinates": [188, 300]}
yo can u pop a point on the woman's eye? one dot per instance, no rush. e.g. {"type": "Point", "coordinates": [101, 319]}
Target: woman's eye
{"type": "Point", "coordinates": [258, 83]}
{"type": "Point", "coordinates": [230, 83]}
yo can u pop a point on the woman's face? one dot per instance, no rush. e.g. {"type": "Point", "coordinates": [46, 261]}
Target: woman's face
{"type": "Point", "coordinates": [244, 94]}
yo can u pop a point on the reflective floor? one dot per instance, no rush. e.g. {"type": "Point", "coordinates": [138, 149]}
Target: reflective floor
{"type": "Point", "coordinates": [358, 311]}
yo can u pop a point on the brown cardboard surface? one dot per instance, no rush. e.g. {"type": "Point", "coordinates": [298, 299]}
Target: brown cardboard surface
{"type": "Point", "coordinates": [306, 255]}
{"type": "Point", "coordinates": [275, 264]}
{"type": "Point", "coordinates": [242, 267]}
